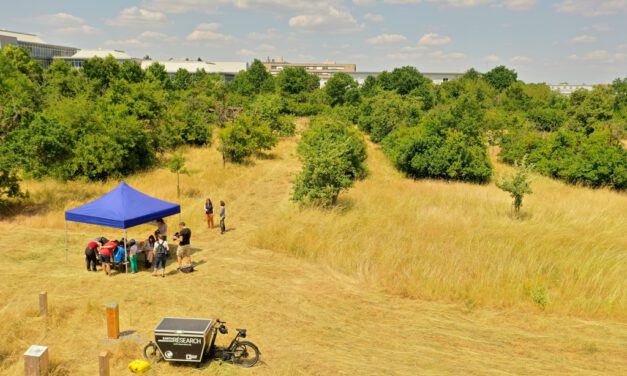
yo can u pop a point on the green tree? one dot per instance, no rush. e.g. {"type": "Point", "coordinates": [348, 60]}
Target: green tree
{"type": "Point", "coordinates": [176, 165]}
{"type": "Point", "coordinates": [156, 72]}
{"type": "Point", "coordinates": [620, 96]}
{"type": "Point", "coordinates": [295, 80]}
{"type": "Point", "coordinates": [244, 137]}
{"type": "Point", "coordinates": [340, 88]}
{"type": "Point", "coordinates": [517, 185]}
{"type": "Point", "coordinates": [271, 108]}
{"type": "Point", "coordinates": [333, 154]}
{"type": "Point", "coordinates": [19, 97]}
{"type": "Point", "coordinates": [102, 71]}
{"type": "Point", "coordinates": [132, 71]}
{"type": "Point", "coordinates": [500, 77]}
{"type": "Point", "coordinates": [182, 79]}
{"type": "Point", "coordinates": [21, 59]}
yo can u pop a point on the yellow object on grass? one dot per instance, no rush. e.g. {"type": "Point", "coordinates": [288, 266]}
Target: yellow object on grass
{"type": "Point", "coordinates": [139, 366]}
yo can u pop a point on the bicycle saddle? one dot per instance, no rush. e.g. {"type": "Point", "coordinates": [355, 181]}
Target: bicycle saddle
{"type": "Point", "coordinates": [242, 332]}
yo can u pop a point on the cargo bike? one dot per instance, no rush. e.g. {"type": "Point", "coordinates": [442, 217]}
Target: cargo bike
{"type": "Point", "coordinates": [193, 341]}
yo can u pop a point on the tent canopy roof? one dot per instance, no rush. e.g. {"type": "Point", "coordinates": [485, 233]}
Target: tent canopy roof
{"type": "Point", "coordinates": [123, 207]}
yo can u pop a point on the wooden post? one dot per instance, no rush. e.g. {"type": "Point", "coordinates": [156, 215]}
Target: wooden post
{"type": "Point", "coordinates": [113, 321]}
{"type": "Point", "coordinates": [36, 361]}
{"type": "Point", "coordinates": [103, 363]}
{"type": "Point", "coordinates": [43, 303]}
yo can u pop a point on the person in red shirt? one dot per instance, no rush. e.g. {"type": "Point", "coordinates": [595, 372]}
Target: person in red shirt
{"type": "Point", "coordinates": [91, 256]}
{"type": "Point", "coordinates": [106, 256]}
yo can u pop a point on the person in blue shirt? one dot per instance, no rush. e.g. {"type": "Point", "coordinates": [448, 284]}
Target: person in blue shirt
{"type": "Point", "coordinates": [120, 254]}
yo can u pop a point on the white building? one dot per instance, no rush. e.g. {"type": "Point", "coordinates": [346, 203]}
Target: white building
{"type": "Point", "coordinates": [39, 50]}
{"type": "Point", "coordinates": [568, 89]}
{"type": "Point", "coordinates": [228, 69]}
{"type": "Point", "coordinates": [436, 77]}
{"type": "Point", "coordinates": [81, 56]}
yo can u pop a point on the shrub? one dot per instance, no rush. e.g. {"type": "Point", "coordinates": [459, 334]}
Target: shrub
{"type": "Point", "coordinates": [384, 112]}
{"type": "Point", "coordinates": [244, 137]}
{"type": "Point", "coordinates": [517, 185]}
{"type": "Point", "coordinates": [332, 153]}
{"type": "Point", "coordinates": [452, 155]}
{"type": "Point", "coordinates": [271, 108]}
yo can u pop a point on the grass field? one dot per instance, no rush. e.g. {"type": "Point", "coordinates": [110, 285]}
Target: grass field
{"type": "Point", "coordinates": [406, 278]}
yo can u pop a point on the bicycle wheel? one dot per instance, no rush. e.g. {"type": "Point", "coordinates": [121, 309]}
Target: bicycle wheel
{"type": "Point", "coordinates": [245, 354]}
{"type": "Point", "coordinates": [152, 353]}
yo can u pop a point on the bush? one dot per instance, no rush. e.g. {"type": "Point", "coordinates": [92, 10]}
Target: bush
{"type": "Point", "coordinates": [244, 137]}
{"type": "Point", "coordinates": [332, 153]}
{"type": "Point", "coordinates": [451, 156]}
{"type": "Point", "coordinates": [386, 111]}
{"type": "Point", "coordinates": [271, 108]}
{"type": "Point", "coordinates": [594, 160]}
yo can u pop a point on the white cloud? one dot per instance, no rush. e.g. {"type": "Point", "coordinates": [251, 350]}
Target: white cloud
{"type": "Point", "coordinates": [623, 47]}
{"type": "Point", "coordinates": [138, 16]}
{"type": "Point", "coordinates": [144, 39]}
{"type": "Point", "coordinates": [441, 55]}
{"type": "Point", "coordinates": [491, 58]}
{"type": "Point", "coordinates": [373, 17]}
{"type": "Point", "coordinates": [592, 8]}
{"type": "Point", "coordinates": [208, 32]}
{"type": "Point", "coordinates": [363, 2]}
{"type": "Point", "coordinates": [266, 35]}
{"type": "Point", "coordinates": [386, 39]}
{"type": "Point", "coordinates": [434, 39]}
{"type": "Point", "coordinates": [66, 23]}
{"type": "Point", "coordinates": [584, 39]}
{"type": "Point", "coordinates": [516, 5]}
{"type": "Point", "coordinates": [329, 19]}
{"type": "Point", "coordinates": [246, 52]}
{"type": "Point", "coordinates": [402, 1]}
{"type": "Point", "coordinates": [600, 56]}
{"type": "Point", "coordinates": [519, 5]}
{"type": "Point", "coordinates": [520, 59]}
{"type": "Point", "coordinates": [265, 48]}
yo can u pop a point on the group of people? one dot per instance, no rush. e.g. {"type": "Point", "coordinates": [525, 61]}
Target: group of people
{"type": "Point", "coordinates": [155, 249]}
{"type": "Point", "coordinates": [209, 212]}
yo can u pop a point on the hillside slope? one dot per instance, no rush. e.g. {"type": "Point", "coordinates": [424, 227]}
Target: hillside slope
{"type": "Point", "coordinates": [306, 317]}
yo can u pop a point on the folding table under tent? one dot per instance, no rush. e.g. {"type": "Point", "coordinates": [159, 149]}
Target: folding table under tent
{"type": "Point", "coordinates": [122, 208]}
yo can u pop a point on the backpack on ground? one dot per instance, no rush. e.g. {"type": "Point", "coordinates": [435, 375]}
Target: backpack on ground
{"type": "Point", "coordinates": [187, 269]}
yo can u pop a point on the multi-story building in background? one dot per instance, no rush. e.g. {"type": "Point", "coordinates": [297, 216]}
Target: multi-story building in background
{"type": "Point", "coordinates": [323, 70]}
{"type": "Point", "coordinates": [39, 50]}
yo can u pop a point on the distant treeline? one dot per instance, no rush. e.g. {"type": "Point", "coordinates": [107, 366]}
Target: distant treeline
{"type": "Point", "coordinates": [110, 119]}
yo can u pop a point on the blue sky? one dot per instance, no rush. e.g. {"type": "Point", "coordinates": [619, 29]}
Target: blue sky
{"type": "Point", "coordinates": [545, 41]}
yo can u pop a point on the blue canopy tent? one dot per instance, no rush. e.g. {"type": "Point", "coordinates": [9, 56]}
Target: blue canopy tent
{"type": "Point", "coordinates": [122, 208]}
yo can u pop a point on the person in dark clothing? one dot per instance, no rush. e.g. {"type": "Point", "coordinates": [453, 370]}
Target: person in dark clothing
{"type": "Point", "coordinates": [183, 251]}
{"type": "Point", "coordinates": [222, 217]}
{"type": "Point", "coordinates": [91, 256]}
{"type": "Point", "coordinates": [161, 255]}
{"type": "Point", "coordinates": [209, 212]}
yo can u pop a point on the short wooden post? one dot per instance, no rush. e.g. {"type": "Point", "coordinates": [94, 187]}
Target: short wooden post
{"type": "Point", "coordinates": [113, 321]}
{"type": "Point", "coordinates": [103, 363]}
{"type": "Point", "coordinates": [43, 303]}
{"type": "Point", "coordinates": [36, 361]}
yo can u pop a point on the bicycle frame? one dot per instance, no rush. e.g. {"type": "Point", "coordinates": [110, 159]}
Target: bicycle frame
{"type": "Point", "coordinates": [231, 347]}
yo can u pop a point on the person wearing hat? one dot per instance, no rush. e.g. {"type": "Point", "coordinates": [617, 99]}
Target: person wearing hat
{"type": "Point", "coordinates": [133, 255]}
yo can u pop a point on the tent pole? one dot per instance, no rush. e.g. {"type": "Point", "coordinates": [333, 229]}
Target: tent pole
{"type": "Point", "coordinates": [66, 242]}
{"type": "Point", "coordinates": [125, 251]}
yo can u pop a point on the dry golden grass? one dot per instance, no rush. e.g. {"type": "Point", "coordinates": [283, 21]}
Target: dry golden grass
{"type": "Point", "coordinates": [306, 317]}
{"type": "Point", "coordinates": [453, 241]}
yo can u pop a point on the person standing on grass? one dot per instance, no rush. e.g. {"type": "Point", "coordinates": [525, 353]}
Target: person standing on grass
{"type": "Point", "coordinates": [209, 212]}
{"type": "Point", "coordinates": [133, 256]}
{"type": "Point", "coordinates": [161, 255]}
{"type": "Point", "coordinates": [106, 255]}
{"type": "Point", "coordinates": [162, 227]}
{"type": "Point", "coordinates": [183, 251]}
{"type": "Point", "coordinates": [91, 256]}
{"type": "Point", "coordinates": [222, 217]}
